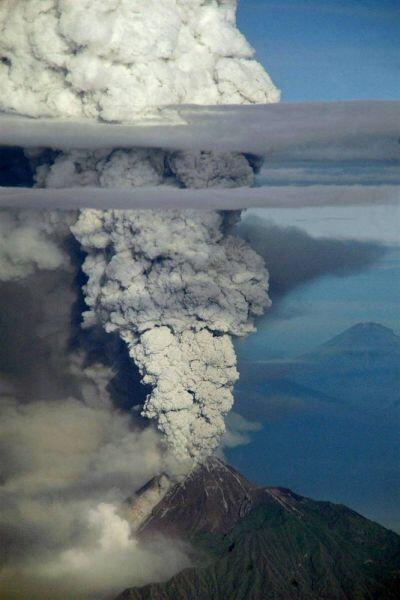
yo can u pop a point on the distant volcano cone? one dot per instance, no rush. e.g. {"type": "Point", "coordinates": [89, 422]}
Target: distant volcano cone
{"type": "Point", "coordinates": [365, 336]}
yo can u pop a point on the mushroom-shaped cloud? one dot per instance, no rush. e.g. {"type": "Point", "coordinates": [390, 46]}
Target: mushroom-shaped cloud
{"type": "Point", "coordinates": [121, 60]}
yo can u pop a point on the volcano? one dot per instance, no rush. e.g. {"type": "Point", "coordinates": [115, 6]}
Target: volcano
{"type": "Point", "coordinates": [357, 369]}
{"type": "Point", "coordinates": [252, 542]}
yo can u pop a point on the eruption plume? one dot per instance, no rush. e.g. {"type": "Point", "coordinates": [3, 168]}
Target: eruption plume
{"type": "Point", "coordinates": [175, 285]}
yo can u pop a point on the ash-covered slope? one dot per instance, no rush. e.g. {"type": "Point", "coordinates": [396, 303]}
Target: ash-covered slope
{"type": "Point", "coordinates": [257, 543]}
{"type": "Point", "coordinates": [210, 500]}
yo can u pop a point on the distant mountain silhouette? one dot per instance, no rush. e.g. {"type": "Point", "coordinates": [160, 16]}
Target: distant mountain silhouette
{"type": "Point", "coordinates": [359, 368]}
{"type": "Point", "coordinates": [330, 421]}
{"type": "Point", "coordinates": [362, 337]}
{"type": "Point", "coordinates": [260, 543]}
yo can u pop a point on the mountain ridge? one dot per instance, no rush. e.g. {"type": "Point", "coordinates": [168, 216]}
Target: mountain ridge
{"type": "Point", "coordinates": [359, 367]}
{"type": "Point", "coordinates": [362, 336]}
{"type": "Point", "coordinates": [253, 542]}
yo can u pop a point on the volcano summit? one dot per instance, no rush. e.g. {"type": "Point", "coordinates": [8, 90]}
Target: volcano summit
{"type": "Point", "coordinates": [254, 543]}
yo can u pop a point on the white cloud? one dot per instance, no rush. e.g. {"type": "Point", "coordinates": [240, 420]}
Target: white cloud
{"type": "Point", "coordinates": [123, 59]}
{"type": "Point", "coordinates": [28, 242]}
{"type": "Point", "coordinates": [238, 431]}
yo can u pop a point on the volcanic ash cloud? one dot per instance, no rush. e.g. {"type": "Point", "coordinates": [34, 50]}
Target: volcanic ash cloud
{"type": "Point", "coordinates": [121, 60]}
{"type": "Point", "coordinates": [175, 288]}
{"type": "Point", "coordinates": [144, 167]}
{"type": "Point", "coordinates": [175, 285]}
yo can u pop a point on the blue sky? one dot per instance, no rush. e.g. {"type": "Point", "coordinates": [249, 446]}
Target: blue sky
{"type": "Point", "coordinates": [312, 314]}
{"type": "Point", "coordinates": [330, 50]}
{"type": "Point", "coordinates": [351, 457]}
{"type": "Point", "coordinates": [327, 49]}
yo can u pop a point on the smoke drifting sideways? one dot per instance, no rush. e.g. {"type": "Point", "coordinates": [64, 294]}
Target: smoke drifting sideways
{"type": "Point", "coordinates": [296, 258]}
{"type": "Point", "coordinates": [70, 457]}
{"type": "Point", "coordinates": [121, 60]}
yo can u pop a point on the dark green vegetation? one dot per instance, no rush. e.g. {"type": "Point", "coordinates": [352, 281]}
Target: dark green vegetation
{"type": "Point", "coordinates": [254, 543]}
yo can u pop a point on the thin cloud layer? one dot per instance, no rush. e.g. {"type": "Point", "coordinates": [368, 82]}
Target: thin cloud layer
{"type": "Point", "coordinates": [169, 197]}
{"type": "Point", "coordinates": [284, 132]}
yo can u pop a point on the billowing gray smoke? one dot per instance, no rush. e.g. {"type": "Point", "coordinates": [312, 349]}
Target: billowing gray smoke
{"type": "Point", "coordinates": [175, 288]}
{"type": "Point", "coordinates": [144, 167]}
{"type": "Point", "coordinates": [28, 241]}
{"type": "Point", "coordinates": [174, 285]}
